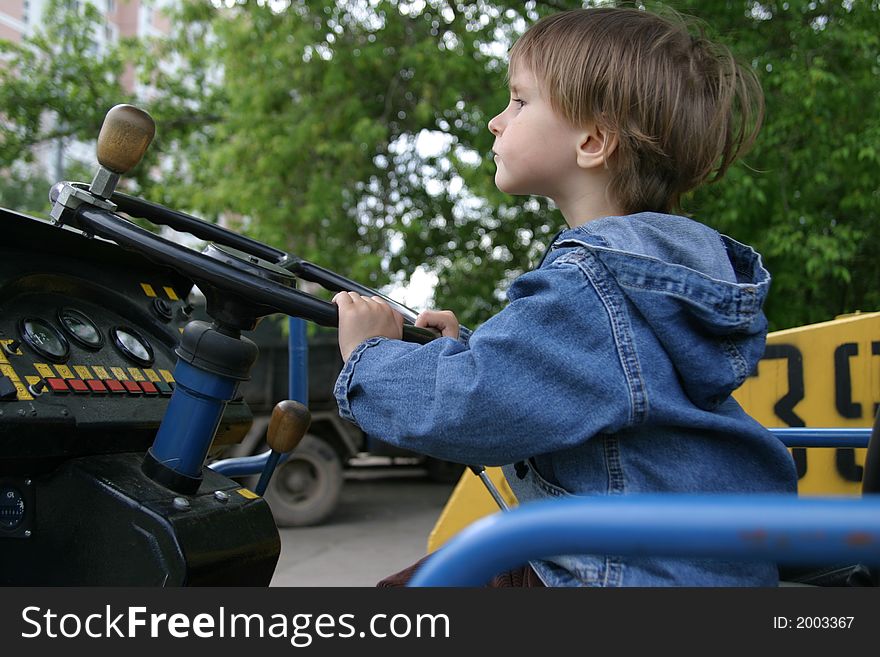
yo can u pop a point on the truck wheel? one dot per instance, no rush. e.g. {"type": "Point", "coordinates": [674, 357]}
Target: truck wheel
{"type": "Point", "coordinates": [305, 488]}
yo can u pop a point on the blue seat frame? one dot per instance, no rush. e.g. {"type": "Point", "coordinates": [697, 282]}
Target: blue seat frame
{"type": "Point", "coordinates": [782, 528]}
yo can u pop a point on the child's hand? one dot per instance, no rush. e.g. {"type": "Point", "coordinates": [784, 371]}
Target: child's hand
{"type": "Point", "coordinates": [442, 320]}
{"type": "Point", "coordinates": [361, 318]}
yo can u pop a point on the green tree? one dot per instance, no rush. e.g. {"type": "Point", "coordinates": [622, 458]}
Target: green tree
{"type": "Point", "coordinates": [25, 190]}
{"type": "Point", "coordinates": [56, 85]}
{"type": "Point", "coordinates": [308, 121]}
{"type": "Point", "coordinates": [316, 128]}
{"type": "Point", "coordinates": [325, 102]}
{"type": "Point", "coordinates": [808, 196]}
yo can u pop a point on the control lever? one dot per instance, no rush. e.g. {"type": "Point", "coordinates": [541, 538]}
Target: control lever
{"type": "Point", "coordinates": [124, 138]}
{"type": "Point", "coordinates": [480, 471]}
{"type": "Point", "coordinates": [289, 422]}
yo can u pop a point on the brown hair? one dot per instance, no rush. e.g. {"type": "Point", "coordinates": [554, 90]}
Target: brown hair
{"type": "Point", "coordinates": [681, 106]}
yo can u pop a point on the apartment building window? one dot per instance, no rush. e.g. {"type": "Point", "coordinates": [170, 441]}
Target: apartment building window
{"type": "Point", "coordinates": [25, 11]}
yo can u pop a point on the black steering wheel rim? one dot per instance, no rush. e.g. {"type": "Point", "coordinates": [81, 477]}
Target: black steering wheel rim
{"type": "Point", "coordinates": [263, 294]}
{"type": "Point", "coordinates": [330, 280]}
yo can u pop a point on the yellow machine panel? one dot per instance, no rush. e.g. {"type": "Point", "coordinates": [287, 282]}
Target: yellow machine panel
{"type": "Point", "coordinates": [819, 375]}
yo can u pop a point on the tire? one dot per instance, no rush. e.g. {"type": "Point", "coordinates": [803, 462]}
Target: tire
{"type": "Point", "coordinates": [304, 490]}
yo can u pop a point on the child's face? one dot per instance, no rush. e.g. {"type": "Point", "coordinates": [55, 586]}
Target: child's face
{"type": "Point", "coordinates": [535, 148]}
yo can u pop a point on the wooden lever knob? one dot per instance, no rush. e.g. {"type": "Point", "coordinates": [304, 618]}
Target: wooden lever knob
{"type": "Point", "coordinates": [124, 138]}
{"type": "Point", "coordinates": [289, 422]}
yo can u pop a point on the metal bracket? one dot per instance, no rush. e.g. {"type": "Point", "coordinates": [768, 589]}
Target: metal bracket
{"type": "Point", "coordinates": [70, 198]}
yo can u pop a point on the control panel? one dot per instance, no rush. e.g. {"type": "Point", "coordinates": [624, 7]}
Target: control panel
{"type": "Point", "coordinates": [93, 336]}
{"type": "Point", "coordinates": [87, 339]}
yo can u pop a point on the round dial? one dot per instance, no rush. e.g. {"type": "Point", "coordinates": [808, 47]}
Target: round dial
{"type": "Point", "coordinates": [11, 507]}
{"type": "Point", "coordinates": [82, 329]}
{"type": "Point", "coordinates": [45, 339]}
{"type": "Point", "coordinates": [133, 345]}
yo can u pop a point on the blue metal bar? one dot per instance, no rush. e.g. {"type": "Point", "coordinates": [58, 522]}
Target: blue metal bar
{"type": "Point", "coordinates": [243, 465]}
{"type": "Point", "coordinates": [791, 437]}
{"type": "Point", "coordinates": [272, 460]}
{"type": "Point", "coordinates": [298, 357]}
{"type": "Point", "coordinates": [781, 528]}
{"type": "Point", "coordinates": [815, 437]}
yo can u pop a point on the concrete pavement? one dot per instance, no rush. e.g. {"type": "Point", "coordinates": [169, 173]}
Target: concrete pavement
{"type": "Point", "coordinates": [381, 526]}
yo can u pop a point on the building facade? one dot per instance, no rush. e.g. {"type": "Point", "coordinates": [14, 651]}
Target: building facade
{"type": "Point", "coordinates": [121, 19]}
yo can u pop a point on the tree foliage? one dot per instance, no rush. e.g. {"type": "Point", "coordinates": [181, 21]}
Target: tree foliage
{"type": "Point", "coordinates": [54, 86]}
{"type": "Point", "coordinates": [353, 133]}
{"type": "Point", "coordinates": [320, 144]}
{"type": "Point", "coordinates": [809, 197]}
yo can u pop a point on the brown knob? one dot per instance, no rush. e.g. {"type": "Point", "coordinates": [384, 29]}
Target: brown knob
{"type": "Point", "coordinates": [125, 136]}
{"type": "Point", "coordinates": [289, 422]}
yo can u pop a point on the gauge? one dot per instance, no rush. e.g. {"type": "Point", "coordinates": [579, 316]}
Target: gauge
{"type": "Point", "coordinates": [82, 329]}
{"type": "Point", "coordinates": [45, 339]}
{"type": "Point", "coordinates": [132, 345]}
{"type": "Point", "coordinates": [11, 508]}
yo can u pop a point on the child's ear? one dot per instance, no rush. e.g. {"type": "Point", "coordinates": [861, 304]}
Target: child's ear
{"type": "Point", "coordinates": [595, 147]}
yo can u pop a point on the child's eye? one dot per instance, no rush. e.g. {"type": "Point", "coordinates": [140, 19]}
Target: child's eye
{"type": "Point", "coordinates": [519, 103]}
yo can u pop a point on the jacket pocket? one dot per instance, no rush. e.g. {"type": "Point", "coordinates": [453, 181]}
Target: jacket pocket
{"type": "Point", "coordinates": [539, 482]}
{"type": "Point", "coordinates": [573, 569]}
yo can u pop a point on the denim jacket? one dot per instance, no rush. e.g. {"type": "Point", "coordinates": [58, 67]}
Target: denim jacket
{"type": "Point", "coordinates": [609, 372]}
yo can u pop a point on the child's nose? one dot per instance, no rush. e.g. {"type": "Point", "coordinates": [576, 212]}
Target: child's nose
{"type": "Point", "coordinates": [495, 125]}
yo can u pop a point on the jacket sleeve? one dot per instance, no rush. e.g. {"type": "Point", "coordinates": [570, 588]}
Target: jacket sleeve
{"type": "Point", "coordinates": [542, 375]}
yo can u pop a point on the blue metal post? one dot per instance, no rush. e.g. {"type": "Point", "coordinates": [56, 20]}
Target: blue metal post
{"type": "Point", "coordinates": [191, 420]}
{"type": "Point", "coordinates": [211, 362]}
{"type": "Point", "coordinates": [298, 356]}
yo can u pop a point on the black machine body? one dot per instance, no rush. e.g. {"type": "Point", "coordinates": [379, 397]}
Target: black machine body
{"type": "Point", "coordinates": [87, 359]}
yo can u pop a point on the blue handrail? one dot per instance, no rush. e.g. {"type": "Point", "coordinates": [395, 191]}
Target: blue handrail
{"type": "Point", "coordinates": [780, 528]}
{"type": "Point", "coordinates": [790, 437]}
{"type": "Point", "coordinates": [820, 437]}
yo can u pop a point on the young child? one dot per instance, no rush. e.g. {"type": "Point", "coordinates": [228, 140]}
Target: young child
{"type": "Point", "coordinates": [610, 372]}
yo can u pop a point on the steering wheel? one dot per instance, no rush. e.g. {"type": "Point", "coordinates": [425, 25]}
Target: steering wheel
{"type": "Point", "coordinates": [243, 279]}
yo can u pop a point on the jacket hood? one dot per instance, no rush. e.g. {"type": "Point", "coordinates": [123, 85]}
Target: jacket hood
{"type": "Point", "coordinates": [700, 292]}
